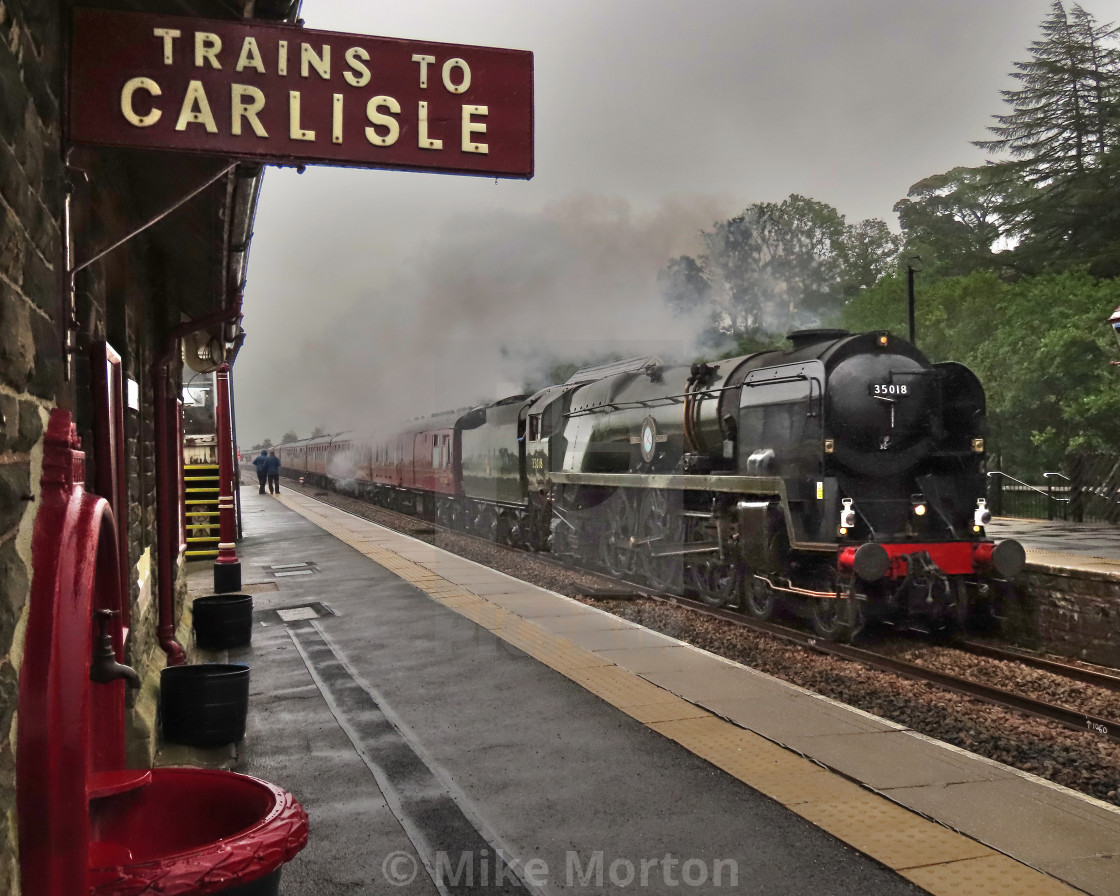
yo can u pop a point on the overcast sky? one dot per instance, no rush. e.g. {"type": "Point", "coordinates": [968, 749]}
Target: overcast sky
{"type": "Point", "coordinates": [374, 296]}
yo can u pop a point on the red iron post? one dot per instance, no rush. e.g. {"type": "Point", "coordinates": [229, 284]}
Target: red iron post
{"type": "Point", "coordinates": [227, 568]}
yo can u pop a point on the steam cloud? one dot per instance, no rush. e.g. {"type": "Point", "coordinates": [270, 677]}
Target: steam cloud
{"type": "Point", "coordinates": [493, 301]}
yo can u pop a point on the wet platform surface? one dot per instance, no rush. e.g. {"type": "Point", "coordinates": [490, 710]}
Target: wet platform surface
{"type": "Point", "coordinates": [1057, 545]}
{"type": "Point", "coordinates": [442, 721]}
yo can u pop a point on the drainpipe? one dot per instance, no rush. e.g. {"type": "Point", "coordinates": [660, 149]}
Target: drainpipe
{"type": "Point", "coordinates": [167, 487]}
{"type": "Point", "coordinates": [227, 568]}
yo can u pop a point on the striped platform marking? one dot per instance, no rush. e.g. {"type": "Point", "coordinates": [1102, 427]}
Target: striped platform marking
{"type": "Point", "coordinates": [934, 857]}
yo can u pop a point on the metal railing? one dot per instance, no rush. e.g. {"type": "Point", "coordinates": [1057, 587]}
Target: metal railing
{"type": "Point", "coordinates": [1025, 500]}
{"type": "Point", "coordinates": [1060, 498]}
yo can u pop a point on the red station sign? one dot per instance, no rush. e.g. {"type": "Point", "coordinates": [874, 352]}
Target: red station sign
{"type": "Point", "coordinates": [289, 95]}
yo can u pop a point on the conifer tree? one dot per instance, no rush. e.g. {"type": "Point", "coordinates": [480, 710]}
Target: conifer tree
{"type": "Point", "coordinates": [1064, 116]}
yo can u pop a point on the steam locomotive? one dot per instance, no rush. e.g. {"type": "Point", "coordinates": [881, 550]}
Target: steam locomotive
{"type": "Point", "coordinates": [842, 478]}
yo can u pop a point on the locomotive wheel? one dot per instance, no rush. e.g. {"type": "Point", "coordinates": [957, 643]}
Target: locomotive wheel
{"type": "Point", "coordinates": [836, 618]}
{"type": "Point", "coordinates": [717, 584]}
{"type": "Point", "coordinates": [759, 598]}
{"type": "Point", "coordinates": [659, 524]}
{"type": "Point", "coordinates": [616, 552]}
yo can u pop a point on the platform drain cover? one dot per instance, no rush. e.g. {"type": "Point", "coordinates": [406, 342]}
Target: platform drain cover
{"type": "Point", "coordinates": [303, 568]}
{"type": "Point", "coordinates": [297, 613]}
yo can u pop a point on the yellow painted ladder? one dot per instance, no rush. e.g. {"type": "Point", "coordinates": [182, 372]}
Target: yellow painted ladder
{"type": "Point", "coordinates": [200, 486]}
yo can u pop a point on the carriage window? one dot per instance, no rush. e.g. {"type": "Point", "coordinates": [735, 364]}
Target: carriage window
{"type": "Point", "coordinates": [534, 427]}
{"type": "Point", "coordinates": [435, 453]}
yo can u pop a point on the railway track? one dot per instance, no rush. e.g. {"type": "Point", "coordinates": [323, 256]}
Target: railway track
{"type": "Point", "coordinates": [614, 588]}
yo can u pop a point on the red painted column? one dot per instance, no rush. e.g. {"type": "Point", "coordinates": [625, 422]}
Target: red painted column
{"type": "Point", "coordinates": [227, 568]}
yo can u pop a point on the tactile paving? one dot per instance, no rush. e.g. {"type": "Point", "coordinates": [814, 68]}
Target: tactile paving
{"type": "Point", "coordinates": [992, 875]}
{"type": "Point", "coordinates": [936, 858]}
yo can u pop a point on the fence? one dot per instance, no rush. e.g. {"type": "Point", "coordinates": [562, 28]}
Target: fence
{"type": "Point", "coordinates": [1088, 493]}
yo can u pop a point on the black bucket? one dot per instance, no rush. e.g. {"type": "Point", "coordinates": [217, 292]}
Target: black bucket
{"type": "Point", "coordinates": [222, 621]}
{"type": "Point", "coordinates": [204, 705]}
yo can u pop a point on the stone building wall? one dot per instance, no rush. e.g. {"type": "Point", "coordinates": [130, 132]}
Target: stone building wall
{"type": "Point", "coordinates": [116, 299]}
{"type": "Point", "coordinates": [1073, 615]}
{"type": "Point", "coordinates": [31, 200]}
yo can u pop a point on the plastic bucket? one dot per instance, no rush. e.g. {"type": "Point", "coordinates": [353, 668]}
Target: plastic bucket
{"type": "Point", "coordinates": [205, 705]}
{"type": "Point", "coordinates": [222, 621]}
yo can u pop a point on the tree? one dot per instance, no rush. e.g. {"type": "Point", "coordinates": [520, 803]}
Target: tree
{"type": "Point", "coordinates": [1039, 345]}
{"type": "Point", "coordinates": [776, 267]}
{"type": "Point", "coordinates": [1064, 116]}
{"type": "Point", "coordinates": [1061, 137]}
{"type": "Point", "coordinates": [954, 220]}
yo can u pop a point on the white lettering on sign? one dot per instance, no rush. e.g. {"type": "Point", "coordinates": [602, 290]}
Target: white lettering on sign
{"type": "Point", "coordinates": [168, 35]}
{"type": "Point", "coordinates": [336, 119]}
{"type": "Point", "coordinates": [196, 109]}
{"type": "Point", "coordinates": [250, 57]}
{"type": "Point", "coordinates": [358, 76]}
{"type": "Point", "coordinates": [449, 68]}
{"type": "Point", "coordinates": [127, 109]}
{"type": "Point", "coordinates": [376, 118]}
{"type": "Point", "coordinates": [424, 61]}
{"type": "Point", "coordinates": [207, 46]}
{"type": "Point", "coordinates": [309, 59]}
{"type": "Point", "coordinates": [294, 130]}
{"type": "Point", "coordinates": [422, 138]}
{"type": "Point", "coordinates": [474, 127]}
{"type": "Point", "coordinates": [247, 102]}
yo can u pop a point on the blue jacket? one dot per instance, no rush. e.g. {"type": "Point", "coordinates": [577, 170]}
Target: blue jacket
{"type": "Point", "coordinates": [272, 465]}
{"type": "Point", "coordinates": [259, 462]}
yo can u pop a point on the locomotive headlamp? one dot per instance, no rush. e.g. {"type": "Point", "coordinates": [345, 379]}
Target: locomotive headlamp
{"type": "Point", "coordinates": [982, 516]}
{"type": "Point", "coordinates": [978, 446]}
{"type": "Point", "coordinates": [918, 505]}
{"type": "Point", "coordinates": [847, 517]}
{"type": "Point", "coordinates": [883, 339]}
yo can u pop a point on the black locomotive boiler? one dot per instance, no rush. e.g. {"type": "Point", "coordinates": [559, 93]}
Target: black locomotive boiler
{"type": "Point", "coordinates": [842, 477]}
{"type": "Point", "coordinates": [845, 473]}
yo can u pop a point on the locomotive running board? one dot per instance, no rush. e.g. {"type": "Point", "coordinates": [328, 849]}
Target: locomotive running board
{"type": "Point", "coordinates": [737, 485]}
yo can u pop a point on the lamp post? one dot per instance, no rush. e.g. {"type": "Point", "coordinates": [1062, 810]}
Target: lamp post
{"type": "Point", "coordinates": [913, 265]}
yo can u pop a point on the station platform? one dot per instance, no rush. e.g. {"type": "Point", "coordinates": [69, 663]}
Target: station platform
{"type": "Point", "coordinates": [1056, 545]}
{"type": "Point", "coordinates": [454, 730]}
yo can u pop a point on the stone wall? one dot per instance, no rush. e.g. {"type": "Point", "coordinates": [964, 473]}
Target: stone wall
{"type": "Point", "coordinates": [31, 198]}
{"type": "Point", "coordinates": [1075, 615]}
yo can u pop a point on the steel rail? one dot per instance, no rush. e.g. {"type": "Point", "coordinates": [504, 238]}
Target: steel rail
{"type": "Point", "coordinates": [1069, 718]}
{"type": "Point", "coordinates": [1099, 678]}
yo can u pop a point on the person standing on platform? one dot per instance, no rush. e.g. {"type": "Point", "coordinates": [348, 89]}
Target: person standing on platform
{"type": "Point", "coordinates": [272, 468]}
{"type": "Point", "coordinates": [259, 462]}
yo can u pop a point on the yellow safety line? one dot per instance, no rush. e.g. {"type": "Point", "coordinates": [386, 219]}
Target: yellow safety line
{"type": "Point", "coordinates": [938, 859]}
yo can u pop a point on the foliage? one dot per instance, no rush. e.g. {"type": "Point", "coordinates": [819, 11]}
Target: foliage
{"type": "Point", "coordinates": [954, 221]}
{"type": "Point", "coordinates": [1063, 116]}
{"type": "Point", "coordinates": [1040, 347]}
{"type": "Point", "coordinates": [776, 267]}
{"type": "Point", "coordinates": [1061, 171]}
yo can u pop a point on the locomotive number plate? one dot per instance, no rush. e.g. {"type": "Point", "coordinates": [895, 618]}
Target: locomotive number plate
{"type": "Point", "coordinates": [889, 390]}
